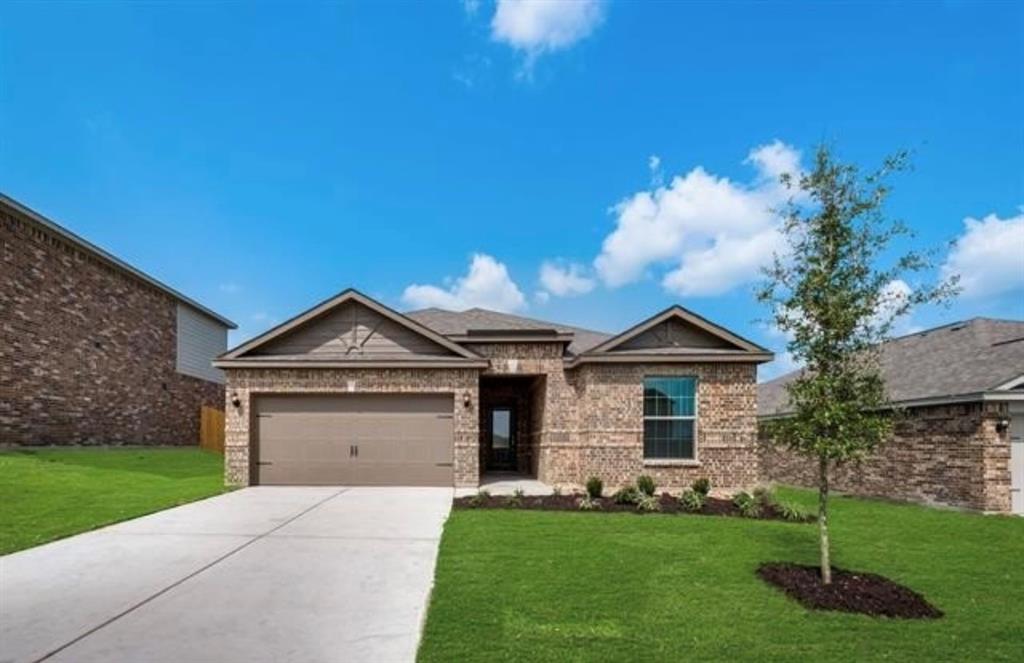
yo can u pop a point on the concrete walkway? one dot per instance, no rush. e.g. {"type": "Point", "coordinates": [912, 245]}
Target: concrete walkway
{"type": "Point", "coordinates": [260, 574]}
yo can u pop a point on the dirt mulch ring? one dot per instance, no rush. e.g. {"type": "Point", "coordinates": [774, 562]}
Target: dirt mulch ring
{"type": "Point", "coordinates": [714, 506]}
{"type": "Point", "coordinates": [864, 593]}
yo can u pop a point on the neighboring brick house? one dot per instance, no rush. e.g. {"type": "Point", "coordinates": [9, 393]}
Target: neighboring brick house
{"type": "Point", "coordinates": [352, 392]}
{"type": "Point", "coordinates": [958, 439]}
{"type": "Point", "coordinates": [92, 350]}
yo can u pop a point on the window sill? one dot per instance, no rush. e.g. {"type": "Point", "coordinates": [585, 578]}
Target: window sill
{"type": "Point", "coordinates": [669, 462]}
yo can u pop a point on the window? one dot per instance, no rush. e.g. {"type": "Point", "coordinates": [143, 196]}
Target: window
{"type": "Point", "coordinates": [670, 418]}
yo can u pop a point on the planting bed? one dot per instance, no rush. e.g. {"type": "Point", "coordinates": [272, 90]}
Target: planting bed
{"type": "Point", "coordinates": [714, 506]}
{"type": "Point", "coordinates": [864, 593]}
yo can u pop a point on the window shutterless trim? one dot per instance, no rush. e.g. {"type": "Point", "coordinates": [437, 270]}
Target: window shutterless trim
{"type": "Point", "coordinates": [675, 460]}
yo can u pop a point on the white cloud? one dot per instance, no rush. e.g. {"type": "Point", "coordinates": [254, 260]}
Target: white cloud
{"type": "Point", "coordinates": [471, 7]}
{"type": "Point", "coordinates": [542, 296]}
{"type": "Point", "coordinates": [774, 160]}
{"type": "Point", "coordinates": [487, 285]}
{"type": "Point", "coordinates": [230, 288]}
{"type": "Point", "coordinates": [718, 232]}
{"type": "Point", "coordinates": [565, 280]}
{"type": "Point", "coordinates": [543, 26]}
{"type": "Point", "coordinates": [989, 256]}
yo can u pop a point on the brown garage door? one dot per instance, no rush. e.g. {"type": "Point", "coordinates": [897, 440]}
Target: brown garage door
{"type": "Point", "coordinates": [354, 439]}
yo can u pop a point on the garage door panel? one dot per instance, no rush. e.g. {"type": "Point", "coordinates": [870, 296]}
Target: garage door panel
{"type": "Point", "coordinates": [399, 439]}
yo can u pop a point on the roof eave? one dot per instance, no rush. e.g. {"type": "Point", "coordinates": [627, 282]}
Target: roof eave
{"type": "Point", "coordinates": [693, 358]}
{"type": "Point", "coordinates": [366, 364]}
{"type": "Point", "coordinates": [113, 260]}
{"type": "Point", "coordinates": [952, 399]}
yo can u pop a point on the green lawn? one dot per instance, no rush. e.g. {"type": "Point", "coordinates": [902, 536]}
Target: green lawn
{"type": "Point", "coordinates": [49, 494]}
{"type": "Point", "coordinates": [536, 586]}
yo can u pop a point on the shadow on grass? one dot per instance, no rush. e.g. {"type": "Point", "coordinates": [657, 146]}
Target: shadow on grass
{"type": "Point", "coordinates": [169, 463]}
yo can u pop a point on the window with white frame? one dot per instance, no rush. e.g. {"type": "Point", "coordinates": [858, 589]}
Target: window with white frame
{"type": "Point", "coordinates": [670, 418]}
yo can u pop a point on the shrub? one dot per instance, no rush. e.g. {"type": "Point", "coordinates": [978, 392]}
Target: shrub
{"type": "Point", "coordinates": [516, 500]}
{"type": "Point", "coordinates": [645, 484]}
{"type": "Point", "coordinates": [692, 500]}
{"type": "Point", "coordinates": [556, 491]}
{"type": "Point", "coordinates": [647, 503]}
{"type": "Point", "coordinates": [765, 496]}
{"type": "Point", "coordinates": [626, 495]}
{"type": "Point", "coordinates": [793, 512]}
{"type": "Point", "coordinates": [479, 499]}
{"type": "Point", "coordinates": [702, 486]}
{"type": "Point", "coordinates": [747, 505]}
{"type": "Point", "coordinates": [594, 487]}
{"type": "Point", "coordinates": [588, 503]}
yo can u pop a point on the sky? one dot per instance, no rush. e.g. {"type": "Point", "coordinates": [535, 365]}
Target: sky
{"type": "Point", "coordinates": [585, 162]}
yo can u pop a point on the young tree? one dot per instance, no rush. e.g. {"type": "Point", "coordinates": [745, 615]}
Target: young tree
{"type": "Point", "coordinates": [836, 293]}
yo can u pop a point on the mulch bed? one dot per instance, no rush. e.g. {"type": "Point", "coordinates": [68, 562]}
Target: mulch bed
{"type": "Point", "coordinates": [864, 593]}
{"type": "Point", "coordinates": [714, 506]}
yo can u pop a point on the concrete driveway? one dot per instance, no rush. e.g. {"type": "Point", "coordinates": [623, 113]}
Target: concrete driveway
{"type": "Point", "coordinates": [260, 574]}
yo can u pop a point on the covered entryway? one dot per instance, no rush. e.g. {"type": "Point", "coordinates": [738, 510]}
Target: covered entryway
{"type": "Point", "coordinates": [354, 439]}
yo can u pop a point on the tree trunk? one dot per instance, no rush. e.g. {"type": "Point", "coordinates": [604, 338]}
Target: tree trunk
{"type": "Point", "coordinates": [826, 564]}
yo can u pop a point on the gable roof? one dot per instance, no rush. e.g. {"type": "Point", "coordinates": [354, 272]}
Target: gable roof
{"type": "Point", "coordinates": [108, 258]}
{"type": "Point", "coordinates": [242, 352]}
{"type": "Point", "coordinates": [969, 360]}
{"type": "Point", "coordinates": [612, 349]}
{"type": "Point", "coordinates": [458, 331]}
{"type": "Point", "coordinates": [459, 324]}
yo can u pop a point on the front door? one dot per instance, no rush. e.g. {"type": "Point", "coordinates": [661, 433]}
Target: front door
{"type": "Point", "coordinates": [502, 433]}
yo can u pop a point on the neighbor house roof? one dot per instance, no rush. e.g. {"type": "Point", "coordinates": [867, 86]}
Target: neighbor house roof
{"type": "Point", "coordinates": [109, 258]}
{"type": "Point", "coordinates": [977, 359]}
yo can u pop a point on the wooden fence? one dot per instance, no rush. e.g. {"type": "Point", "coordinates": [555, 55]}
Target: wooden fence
{"type": "Point", "coordinates": [211, 429]}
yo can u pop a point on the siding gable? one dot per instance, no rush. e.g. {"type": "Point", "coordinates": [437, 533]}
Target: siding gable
{"type": "Point", "coordinates": [199, 340]}
{"type": "Point", "coordinates": [675, 333]}
{"type": "Point", "coordinates": [352, 331]}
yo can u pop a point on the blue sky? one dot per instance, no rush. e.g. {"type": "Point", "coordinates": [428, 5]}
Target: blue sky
{"type": "Point", "coordinates": [261, 158]}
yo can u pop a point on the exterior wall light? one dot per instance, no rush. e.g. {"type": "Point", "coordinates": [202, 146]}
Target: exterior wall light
{"type": "Point", "coordinates": [1002, 425]}
{"type": "Point", "coordinates": [235, 400]}
{"type": "Point", "coordinates": [467, 400]}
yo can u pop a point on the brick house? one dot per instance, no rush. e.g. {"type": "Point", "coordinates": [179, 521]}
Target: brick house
{"type": "Point", "coordinates": [92, 350]}
{"type": "Point", "coordinates": [352, 392]}
{"type": "Point", "coordinates": [958, 391]}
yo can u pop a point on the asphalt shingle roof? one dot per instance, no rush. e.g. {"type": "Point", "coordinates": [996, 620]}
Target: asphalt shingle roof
{"type": "Point", "coordinates": [458, 323]}
{"type": "Point", "coordinates": [958, 359]}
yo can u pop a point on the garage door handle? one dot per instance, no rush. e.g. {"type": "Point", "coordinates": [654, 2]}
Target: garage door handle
{"type": "Point", "coordinates": [264, 462]}
{"type": "Point", "coordinates": [443, 464]}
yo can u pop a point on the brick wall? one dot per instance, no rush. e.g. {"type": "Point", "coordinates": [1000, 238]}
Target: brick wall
{"type": "Point", "coordinates": [87, 352]}
{"type": "Point", "coordinates": [946, 454]}
{"type": "Point", "coordinates": [608, 442]}
{"type": "Point", "coordinates": [589, 420]}
{"type": "Point", "coordinates": [582, 422]}
{"type": "Point", "coordinates": [245, 383]}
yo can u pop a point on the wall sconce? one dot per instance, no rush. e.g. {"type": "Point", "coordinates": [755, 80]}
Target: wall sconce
{"type": "Point", "coordinates": [1002, 425]}
{"type": "Point", "coordinates": [235, 400]}
{"type": "Point", "coordinates": [467, 400]}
